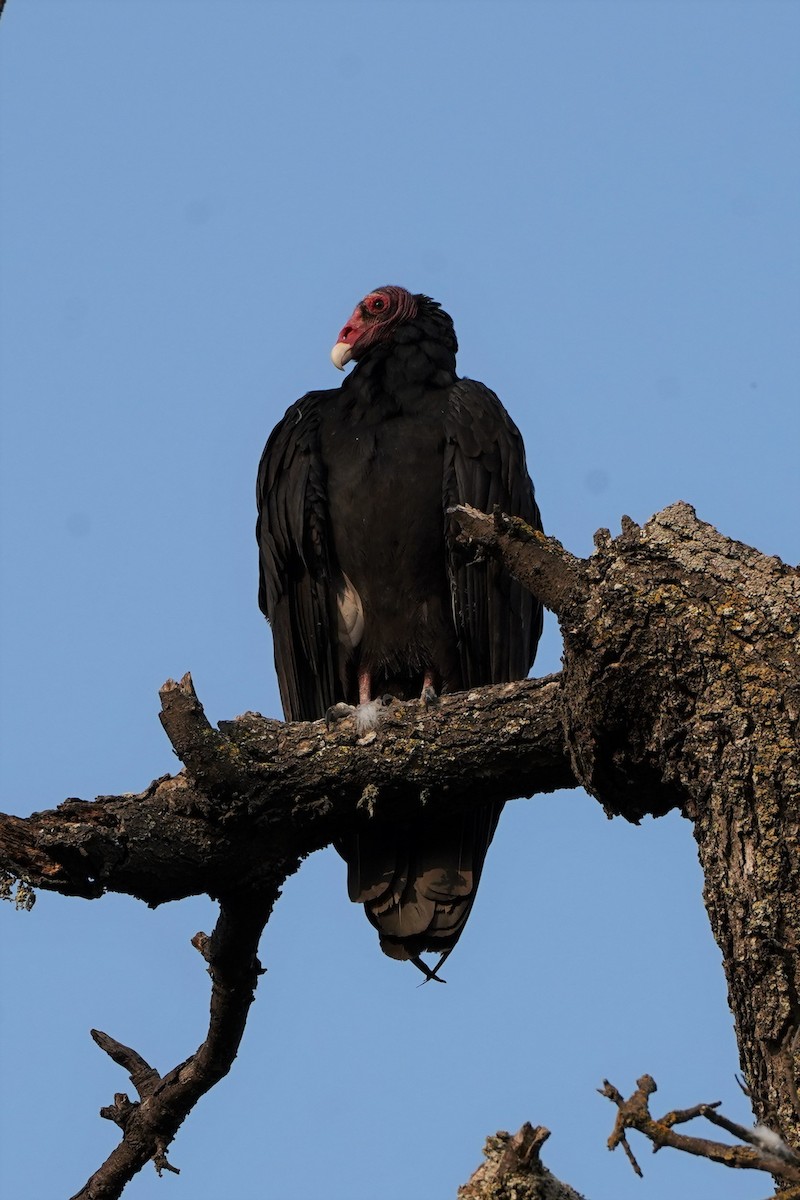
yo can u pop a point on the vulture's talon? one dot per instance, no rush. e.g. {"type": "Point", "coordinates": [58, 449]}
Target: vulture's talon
{"type": "Point", "coordinates": [429, 696]}
{"type": "Point", "coordinates": [338, 712]}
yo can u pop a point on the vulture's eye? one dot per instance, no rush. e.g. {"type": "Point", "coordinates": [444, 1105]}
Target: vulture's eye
{"type": "Point", "coordinates": [376, 304]}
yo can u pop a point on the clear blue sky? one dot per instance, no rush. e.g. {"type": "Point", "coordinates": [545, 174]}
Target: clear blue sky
{"type": "Point", "coordinates": [604, 195]}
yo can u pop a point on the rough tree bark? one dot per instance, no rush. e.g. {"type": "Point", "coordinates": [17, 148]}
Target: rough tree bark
{"type": "Point", "coordinates": [680, 689]}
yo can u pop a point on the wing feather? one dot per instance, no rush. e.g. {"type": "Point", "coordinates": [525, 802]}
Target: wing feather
{"type": "Point", "coordinates": [498, 621]}
{"type": "Point", "coordinates": [297, 574]}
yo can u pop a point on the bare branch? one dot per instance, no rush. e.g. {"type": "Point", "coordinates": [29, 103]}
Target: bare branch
{"type": "Point", "coordinates": [541, 563]}
{"type": "Point", "coordinates": [143, 1077]}
{"type": "Point", "coordinates": [766, 1151]}
{"type": "Point", "coordinates": [150, 1124]}
{"type": "Point", "coordinates": [209, 757]}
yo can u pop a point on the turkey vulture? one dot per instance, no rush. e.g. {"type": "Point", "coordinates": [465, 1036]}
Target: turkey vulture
{"type": "Point", "coordinates": [368, 591]}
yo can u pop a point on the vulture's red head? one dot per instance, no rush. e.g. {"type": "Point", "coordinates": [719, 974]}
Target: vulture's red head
{"type": "Point", "coordinates": [373, 321]}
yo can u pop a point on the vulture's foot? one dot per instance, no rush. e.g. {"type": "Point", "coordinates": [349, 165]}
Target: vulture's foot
{"type": "Point", "coordinates": [429, 695]}
{"type": "Point", "coordinates": [366, 716]}
{"type": "Point", "coordinates": [338, 712]}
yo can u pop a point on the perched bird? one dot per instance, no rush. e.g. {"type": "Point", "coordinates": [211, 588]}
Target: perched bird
{"type": "Point", "coordinates": [369, 592]}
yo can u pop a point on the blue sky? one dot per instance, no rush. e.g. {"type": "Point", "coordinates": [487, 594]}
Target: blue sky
{"type": "Point", "coordinates": [604, 195]}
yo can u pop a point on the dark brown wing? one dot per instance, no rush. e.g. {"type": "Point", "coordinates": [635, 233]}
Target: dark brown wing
{"type": "Point", "coordinates": [296, 572]}
{"type": "Point", "coordinates": [498, 621]}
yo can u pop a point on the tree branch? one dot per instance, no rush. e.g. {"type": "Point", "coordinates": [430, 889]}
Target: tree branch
{"type": "Point", "coordinates": [150, 1123]}
{"type": "Point", "coordinates": [258, 795]}
{"type": "Point", "coordinates": [540, 563]}
{"type": "Point", "coordinates": [765, 1152]}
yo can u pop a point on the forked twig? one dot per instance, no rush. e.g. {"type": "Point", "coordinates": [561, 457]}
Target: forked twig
{"type": "Point", "coordinates": [764, 1151]}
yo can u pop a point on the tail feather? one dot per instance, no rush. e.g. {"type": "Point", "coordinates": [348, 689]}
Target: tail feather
{"type": "Point", "coordinates": [418, 884]}
{"type": "Point", "coordinates": [411, 918]}
{"type": "Point", "coordinates": [375, 869]}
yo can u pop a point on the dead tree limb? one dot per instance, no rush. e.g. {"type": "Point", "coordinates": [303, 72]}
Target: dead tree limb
{"type": "Point", "coordinates": [150, 1123]}
{"type": "Point", "coordinates": [764, 1151]}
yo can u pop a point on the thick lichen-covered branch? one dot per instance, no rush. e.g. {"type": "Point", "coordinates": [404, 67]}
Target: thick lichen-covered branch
{"type": "Point", "coordinates": [257, 795]}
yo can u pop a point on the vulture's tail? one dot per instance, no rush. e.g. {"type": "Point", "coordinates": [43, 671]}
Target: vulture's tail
{"type": "Point", "coordinates": [418, 883]}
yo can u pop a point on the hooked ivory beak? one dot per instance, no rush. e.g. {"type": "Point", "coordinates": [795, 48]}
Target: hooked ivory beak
{"type": "Point", "coordinates": [341, 354]}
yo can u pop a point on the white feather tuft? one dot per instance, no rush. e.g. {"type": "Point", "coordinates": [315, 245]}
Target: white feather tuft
{"type": "Point", "coordinates": [367, 716]}
{"type": "Point", "coordinates": [769, 1140]}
